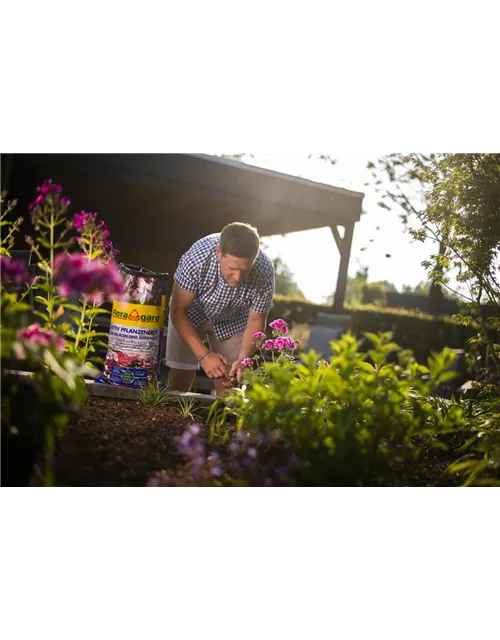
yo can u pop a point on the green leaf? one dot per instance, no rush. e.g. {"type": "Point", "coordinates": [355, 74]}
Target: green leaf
{"type": "Point", "coordinates": [467, 444]}
{"type": "Point", "coordinates": [90, 334]}
{"type": "Point", "coordinates": [91, 313]}
{"type": "Point", "coordinates": [44, 243]}
{"type": "Point", "coordinates": [44, 286]}
{"type": "Point", "coordinates": [73, 307]}
{"type": "Point", "coordinates": [100, 343]}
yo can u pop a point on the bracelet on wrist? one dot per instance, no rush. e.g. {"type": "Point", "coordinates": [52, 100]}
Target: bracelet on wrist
{"type": "Point", "coordinates": [204, 356]}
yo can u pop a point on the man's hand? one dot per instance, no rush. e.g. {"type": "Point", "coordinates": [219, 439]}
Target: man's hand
{"type": "Point", "coordinates": [215, 366]}
{"type": "Point", "coordinates": [236, 371]}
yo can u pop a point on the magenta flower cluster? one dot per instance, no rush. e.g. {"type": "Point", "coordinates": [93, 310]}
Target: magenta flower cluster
{"type": "Point", "coordinates": [49, 191]}
{"type": "Point", "coordinates": [247, 363]}
{"type": "Point", "coordinates": [94, 235]}
{"type": "Point", "coordinates": [280, 328]}
{"type": "Point", "coordinates": [77, 275]}
{"type": "Point", "coordinates": [35, 335]}
{"type": "Point", "coordinates": [13, 271]}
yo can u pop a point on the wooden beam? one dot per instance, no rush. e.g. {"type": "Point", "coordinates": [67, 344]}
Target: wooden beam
{"type": "Point", "coordinates": [338, 301]}
{"type": "Point", "coordinates": [337, 236]}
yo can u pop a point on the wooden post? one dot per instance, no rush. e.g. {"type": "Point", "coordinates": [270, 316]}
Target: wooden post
{"type": "Point", "coordinates": [345, 254]}
{"type": "Point", "coordinates": [6, 158]}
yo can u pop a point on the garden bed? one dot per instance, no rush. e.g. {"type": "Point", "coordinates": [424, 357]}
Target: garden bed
{"type": "Point", "coordinates": [122, 443]}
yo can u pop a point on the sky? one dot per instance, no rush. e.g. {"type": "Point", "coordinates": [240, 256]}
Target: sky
{"type": "Point", "coordinates": [312, 255]}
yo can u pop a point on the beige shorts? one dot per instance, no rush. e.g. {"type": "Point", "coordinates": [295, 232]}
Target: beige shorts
{"type": "Point", "coordinates": [179, 356]}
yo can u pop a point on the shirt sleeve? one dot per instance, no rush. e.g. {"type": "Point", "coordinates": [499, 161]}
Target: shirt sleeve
{"type": "Point", "coordinates": [187, 274]}
{"type": "Point", "coordinates": [262, 301]}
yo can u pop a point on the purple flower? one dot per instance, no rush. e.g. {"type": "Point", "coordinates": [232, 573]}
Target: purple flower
{"type": "Point", "coordinates": [95, 235]}
{"type": "Point", "coordinates": [13, 271]}
{"type": "Point", "coordinates": [280, 326]}
{"type": "Point", "coordinates": [76, 274]}
{"type": "Point", "coordinates": [252, 453]}
{"type": "Point", "coordinates": [81, 219]}
{"type": "Point", "coordinates": [233, 447]}
{"type": "Point", "coordinates": [38, 200]}
{"type": "Point", "coordinates": [247, 362]}
{"type": "Point", "coordinates": [185, 439]}
{"type": "Point", "coordinates": [268, 345]}
{"type": "Point", "coordinates": [48, 191]}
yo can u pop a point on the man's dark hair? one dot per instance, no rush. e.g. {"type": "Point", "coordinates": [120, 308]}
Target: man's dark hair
{"type": "Point", "coordinates": [240, 240]}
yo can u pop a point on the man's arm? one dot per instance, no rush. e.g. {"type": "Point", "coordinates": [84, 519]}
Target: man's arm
{"type": "Point", "coordinates": [213, 364]}
{"type": "Point", "coordinates": [256, 322]}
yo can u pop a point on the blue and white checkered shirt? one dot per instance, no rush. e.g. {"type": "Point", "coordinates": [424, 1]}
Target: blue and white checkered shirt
{"type": "Point", "coordinates": [225, 307]}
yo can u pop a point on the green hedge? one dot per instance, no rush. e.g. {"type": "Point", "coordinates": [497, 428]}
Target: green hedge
{"type": "Point", "coordinates": [420, 332]}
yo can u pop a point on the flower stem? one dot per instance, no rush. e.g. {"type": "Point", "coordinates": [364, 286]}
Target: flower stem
{"type": "Point", "coordinates": [81, 324]}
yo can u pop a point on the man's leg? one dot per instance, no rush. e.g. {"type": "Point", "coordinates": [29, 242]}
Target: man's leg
{"type": "Point", "coordinates": [180, 380]}
{"type": "Point", "coordinates": [180, 360]}
{"type": "Point", "coordinates": [230, 349]}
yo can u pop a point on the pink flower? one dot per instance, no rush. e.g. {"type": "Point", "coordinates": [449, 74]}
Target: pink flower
{"type": "Point", "coordinates": [96, 234]}
{"type": "Point", "coordinates": [268, 345]}
{"type": "Point", "coordinates": [279, 343]}
{"type": "Point", "coordinates": [49, 191]}
{"type": "Point", "coordinates": [35, 335]}
{"type": "Point", "coordinates": [289, 344]}
{"type": "Point", "coordinates": [48, 187]}
{"type": "Point", "coordinates": [81, 219]}
{"type": "Point", "coordinates": [259, 336]}
{"type": "Point", "coordinates": [247, 362]}
{"type": "Point", "coordinates": [280, 326]}
{"type": "Point", "coordinates": [323, 363]}
{"type": "Point", "coordinates": [78, 275]}
{"type": "Point", "coordinates": [13, 271]}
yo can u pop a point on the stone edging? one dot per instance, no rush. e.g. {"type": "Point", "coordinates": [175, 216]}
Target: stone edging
{"type": "Point", "coordinates": [127, 393]}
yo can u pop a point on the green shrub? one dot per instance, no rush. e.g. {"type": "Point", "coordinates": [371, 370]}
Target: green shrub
{"type": "Point", "coordinates": [420, 332]}
{"type": "Point", "coordinates": [351, 423]}
{"type": "Point", "coordinates": [374, 293]}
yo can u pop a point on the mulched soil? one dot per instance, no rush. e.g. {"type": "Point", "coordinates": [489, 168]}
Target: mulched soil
{"type": "Point", "coordinates": [120, 443]}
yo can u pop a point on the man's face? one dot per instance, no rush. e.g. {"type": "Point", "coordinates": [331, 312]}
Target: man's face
{"type": "Point", "coordinates": [235, 271]}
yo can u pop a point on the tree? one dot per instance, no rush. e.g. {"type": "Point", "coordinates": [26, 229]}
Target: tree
{"type": "Point", "coordinates": [285, 284]}
{"type": "Point", "coordinates": [421, 289]}
{"type": "Point", "coordinates": [460, 209]}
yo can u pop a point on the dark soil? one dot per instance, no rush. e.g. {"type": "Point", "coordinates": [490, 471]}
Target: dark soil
{"type": "Point", "coordinates": [120, 443]}
{"type": "Point", "coordinates": [123, 443]}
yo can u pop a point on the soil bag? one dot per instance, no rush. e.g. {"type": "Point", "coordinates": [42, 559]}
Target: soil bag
{"type": "Point", "coordinates": [136, 330]}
